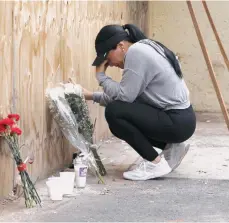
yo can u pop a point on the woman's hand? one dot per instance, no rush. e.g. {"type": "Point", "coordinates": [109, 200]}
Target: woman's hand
{"type": "Point", "coordinates": [87, 94]}
{"type": "Point", "coordinates": [102, 67]}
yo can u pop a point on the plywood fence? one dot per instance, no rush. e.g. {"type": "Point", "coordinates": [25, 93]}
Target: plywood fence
{"type": "Point", "coordinates": [41, 44]}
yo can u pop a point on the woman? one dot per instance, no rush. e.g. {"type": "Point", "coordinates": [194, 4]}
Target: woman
{"type": "Point", "coordinates": [150, 107]}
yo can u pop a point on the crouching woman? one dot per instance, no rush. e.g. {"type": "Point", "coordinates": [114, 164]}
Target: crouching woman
{"type": "Point", "coordinates": [150, 106]}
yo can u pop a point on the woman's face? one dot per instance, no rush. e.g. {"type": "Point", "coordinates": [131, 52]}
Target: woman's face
{"type": "Point", "coordinates": [115, 57]}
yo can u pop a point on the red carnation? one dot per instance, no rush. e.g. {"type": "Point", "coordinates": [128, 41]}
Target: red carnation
{"type": "Point", "coordinates": [16, 131]}
{"type": "Point", "coordinates": [2, 128]}
{"type": "Point", "coordinates": [14, 116]}
{"type": "Point", "coordinates": [7, 121]}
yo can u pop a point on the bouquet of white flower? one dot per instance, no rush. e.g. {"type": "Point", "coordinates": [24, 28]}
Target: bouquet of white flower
{"type": "Point", "coordinates": [70, 111]}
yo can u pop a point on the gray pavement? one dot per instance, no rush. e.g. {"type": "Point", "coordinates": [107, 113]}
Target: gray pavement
{"type": "Point", "coordinates": [166, 199]}
{"type": "Point", "coordinates": [196, 191]}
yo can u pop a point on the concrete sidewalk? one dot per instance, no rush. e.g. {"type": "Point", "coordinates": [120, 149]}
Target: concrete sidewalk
{"type": "Point", "coordinates": [207, 158]}
{"type": "Point", "coordinates": [196, 191]}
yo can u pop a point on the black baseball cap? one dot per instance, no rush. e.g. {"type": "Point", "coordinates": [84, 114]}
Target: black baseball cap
{"type": "Point", "coordinates": [107, 39]}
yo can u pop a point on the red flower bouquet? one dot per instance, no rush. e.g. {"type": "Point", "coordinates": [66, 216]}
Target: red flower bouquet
{"type": "Point", "coordinates": [14, 116]}
{"type": "Point", "coordinates": [10, 132]}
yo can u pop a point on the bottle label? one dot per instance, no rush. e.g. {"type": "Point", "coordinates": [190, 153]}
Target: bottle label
{"type": "Point", "coordinates": [82, 171]}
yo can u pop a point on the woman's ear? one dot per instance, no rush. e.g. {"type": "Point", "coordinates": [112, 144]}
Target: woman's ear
{"type": "Point", "coordinates": [122, 46]}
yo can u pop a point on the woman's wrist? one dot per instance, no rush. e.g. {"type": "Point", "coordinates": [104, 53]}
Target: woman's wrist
{"type": "Point", "coordinates": [100, 70]}
{"type": "Point", "coordinates": [89, 96]}
{"type": "Point", "coordinates": [102, 67]}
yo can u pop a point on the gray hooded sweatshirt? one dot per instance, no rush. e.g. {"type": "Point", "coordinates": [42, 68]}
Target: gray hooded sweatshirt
{"type": "Point", "coordinates": [147, 77]}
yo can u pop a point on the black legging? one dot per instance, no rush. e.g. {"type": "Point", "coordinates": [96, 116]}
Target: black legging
{"type": "Point", "coordinates": [143, 126]}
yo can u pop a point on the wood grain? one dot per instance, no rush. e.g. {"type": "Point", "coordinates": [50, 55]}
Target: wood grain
{"type": "Point", "coordinates": [43, 43]}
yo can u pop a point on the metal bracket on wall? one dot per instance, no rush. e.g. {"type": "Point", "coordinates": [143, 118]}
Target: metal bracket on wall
{"type": "Point", "coordinates": [208, 61]}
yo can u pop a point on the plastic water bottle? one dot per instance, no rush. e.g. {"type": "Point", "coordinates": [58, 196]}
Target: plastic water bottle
{"type": "Point", "coordinates": [80, 171]}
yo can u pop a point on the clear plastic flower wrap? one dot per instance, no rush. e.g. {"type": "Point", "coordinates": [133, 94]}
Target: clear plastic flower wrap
{"type": "Point", "coordinates": [69, 109]}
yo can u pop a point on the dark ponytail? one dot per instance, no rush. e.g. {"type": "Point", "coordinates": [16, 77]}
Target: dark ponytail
{"type": "Point", "coordinates": [135, 35]}
{"type": "Point", "coordinates": [172, 59]}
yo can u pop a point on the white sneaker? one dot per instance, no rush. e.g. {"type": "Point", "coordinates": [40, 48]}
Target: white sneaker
{"type": "Point", "coordinates": [174, 154]}
{"type": "Point", "coordinates": [147, 170]}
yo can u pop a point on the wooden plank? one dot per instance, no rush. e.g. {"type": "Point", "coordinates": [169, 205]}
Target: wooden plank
{"type": "Point", "coordinates": [80, 27]}
{"type": "Point", "coordinates": [6, 162]}
{"type": "Point", "coordinates": [37, 62]}
{"type": "Point", "coordinates": [209, 64]}
{"type": "Point", "coordinates": [48, 42]}
{"type": "Point", "coordinates": [222, 50]}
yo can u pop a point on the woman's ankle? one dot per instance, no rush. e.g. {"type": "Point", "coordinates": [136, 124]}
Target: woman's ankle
{"type": "Point", "coordinates": [157, 160]}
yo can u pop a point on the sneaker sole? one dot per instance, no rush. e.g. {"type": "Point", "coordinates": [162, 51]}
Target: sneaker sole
{"type": "Point", "coordinates": [149, 177]}
{"type": "Point", "coordinates": [186, 149]}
